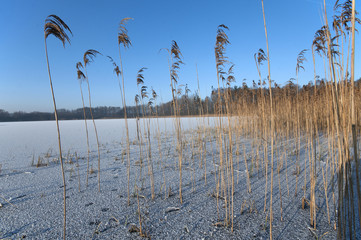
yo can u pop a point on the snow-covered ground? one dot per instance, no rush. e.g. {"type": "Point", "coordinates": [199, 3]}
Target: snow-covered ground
{"type": "Point", "coordinates": [31, 197]}
{"type": "Point", "coordinates": [20, 141]}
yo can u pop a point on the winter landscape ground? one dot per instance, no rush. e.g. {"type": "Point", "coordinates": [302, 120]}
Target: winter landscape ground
{"type": "Point", "coordinates": [32, 195]}
{"type": "Point", "coordinates": [260, 162]}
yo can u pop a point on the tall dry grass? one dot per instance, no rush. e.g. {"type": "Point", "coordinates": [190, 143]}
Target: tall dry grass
{"type": "Point", "coordinates": [318, 122]}
{"type": "Point", "coordinates": [55, 26]}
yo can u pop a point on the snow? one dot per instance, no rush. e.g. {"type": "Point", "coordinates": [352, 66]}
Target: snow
{"type": "Point", "coordinates": [35, 194]}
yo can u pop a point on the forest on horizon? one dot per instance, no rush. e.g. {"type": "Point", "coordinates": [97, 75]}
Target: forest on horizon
{"type": "Point", "coordinates": [190, 104]}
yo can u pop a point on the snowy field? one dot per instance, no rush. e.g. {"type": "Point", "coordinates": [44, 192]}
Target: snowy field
{"type": "Point", "coordinates": [31, 196]}
{"type": "Point", "coordinates": [20, 141]}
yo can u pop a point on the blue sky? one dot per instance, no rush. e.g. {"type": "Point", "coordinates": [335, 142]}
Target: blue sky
{"type": "Point", "coordinates": [24, 83]}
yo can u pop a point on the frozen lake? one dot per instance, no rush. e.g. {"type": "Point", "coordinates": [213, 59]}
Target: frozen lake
{"type": "Point", "coordinates": [36, 193]}
{"type": "Point", "coordinates": [20, 141]}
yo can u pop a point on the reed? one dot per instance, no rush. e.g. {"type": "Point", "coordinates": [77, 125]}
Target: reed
{"type": "Point", "coordinates": [144, 95]}
{"type": "Point", "coordinates": [56, 27]}
{"type": "Point", "coordinates": [174, 63]}
{"type": "Point", "coordinates": [300, 59]}
{"type": "Point", "coordinates": [124, 39]}
{"type": "Point", "coordinates": [81, 78]}
{"type": "Point", "coordinates": [272, 118]}
{"type": "Point", "coordinates": [87, 59]}
{"type": "Point", "coordinates": [353, 111]}
{"type": "Point", "coordinates": [271, 127]}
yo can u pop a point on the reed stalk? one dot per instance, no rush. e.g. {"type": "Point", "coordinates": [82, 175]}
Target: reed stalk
{"type": "Point", "coordinates": [57, 27]}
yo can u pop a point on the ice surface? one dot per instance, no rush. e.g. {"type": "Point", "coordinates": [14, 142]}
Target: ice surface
{"type": "Point", "coordinates": [20, 141]}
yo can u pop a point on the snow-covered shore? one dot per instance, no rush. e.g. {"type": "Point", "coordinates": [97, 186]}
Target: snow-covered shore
{"type": "Point", "coordinates": [33, 206]}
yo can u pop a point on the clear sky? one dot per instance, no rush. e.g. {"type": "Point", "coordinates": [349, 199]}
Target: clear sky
{"type": "Point", "coordinates": [24, 83]}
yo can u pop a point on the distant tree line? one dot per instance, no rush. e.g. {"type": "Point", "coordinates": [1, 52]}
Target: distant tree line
{"type": "Point", "coordinates": [189, 104]}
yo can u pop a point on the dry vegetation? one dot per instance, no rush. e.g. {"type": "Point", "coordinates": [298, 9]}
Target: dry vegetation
{"type": "Point", "coordinates": [282, 123]}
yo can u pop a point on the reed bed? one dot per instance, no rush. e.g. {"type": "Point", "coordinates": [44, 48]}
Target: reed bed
{"type": "Point", "coordinates": [290, 139]}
